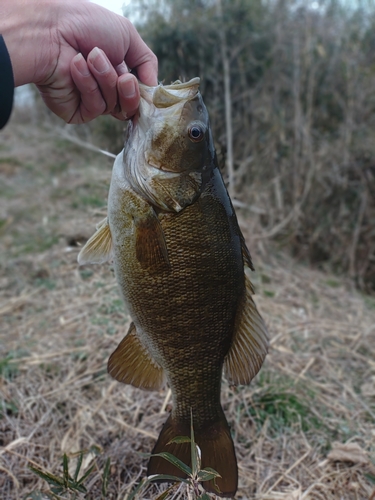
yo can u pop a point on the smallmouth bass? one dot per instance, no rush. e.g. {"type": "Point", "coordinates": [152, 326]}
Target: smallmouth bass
{"type": "Point", "coordinates": [180, 259]}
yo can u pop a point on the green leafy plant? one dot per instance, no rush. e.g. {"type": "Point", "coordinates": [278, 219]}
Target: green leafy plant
{"type": "Point", "coordinates": [67, 486]}
{"type": "Point", "coordinates": [370, 477]}
{"type": "Point", "coordinates": [8, 367]}
{"type": "Point", "coordinates": [195, 475]}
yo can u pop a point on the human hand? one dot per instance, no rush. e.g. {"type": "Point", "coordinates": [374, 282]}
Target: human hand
{"type": "Point", "coordinates": [74, 51]}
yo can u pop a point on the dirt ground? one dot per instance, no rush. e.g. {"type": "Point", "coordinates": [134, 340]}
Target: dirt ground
{"type": "Point", "coordinates": [304, 429]}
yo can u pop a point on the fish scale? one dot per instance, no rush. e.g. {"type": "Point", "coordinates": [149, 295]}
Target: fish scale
{"type": "Point", "coordinates": [180, 259]}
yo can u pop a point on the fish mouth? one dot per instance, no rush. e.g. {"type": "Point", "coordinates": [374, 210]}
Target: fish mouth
{"type": "Point", "coordinates": [178, 85]}
{"type": "Point", "coordinates": [157, 166]}
{"type": "Point", "coordinates": [165, 96]}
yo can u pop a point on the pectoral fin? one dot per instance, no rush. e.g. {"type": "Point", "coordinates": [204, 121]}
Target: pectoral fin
{"type": "Point", "coordinates": [131, 364]}
{"type": "Point", "coordinates": [250, 342]}
{"type": "Point", "coordinates": [150, 246]}
{"type": "Point", "coordinates": [98, 248]}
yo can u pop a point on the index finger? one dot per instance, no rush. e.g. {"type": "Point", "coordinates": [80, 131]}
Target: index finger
{"type": "Point", "coordinates": [140, 57]}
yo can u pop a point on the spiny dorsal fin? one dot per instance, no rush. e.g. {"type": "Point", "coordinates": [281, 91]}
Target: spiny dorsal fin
{"type": "Point", "coordinates": [246, 254]}
{"type": "Point", "coordinates": [250, 342]}
{"type": "Point", "coordinates": [131, 364]}
{"type": "Point", "coordinates": [98, 248]}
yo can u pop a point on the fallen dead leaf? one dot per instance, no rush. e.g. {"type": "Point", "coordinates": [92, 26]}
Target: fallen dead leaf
{"type": "Point", "coordinates": [349, 452]}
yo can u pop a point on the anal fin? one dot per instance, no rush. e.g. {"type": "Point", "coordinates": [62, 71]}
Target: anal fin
{"type": "Point", "coordinates": [250, 342]}
{"type": "Point", "coordinates": [98, 248]}
{"type": "Point", "coordinates": [131, 364]}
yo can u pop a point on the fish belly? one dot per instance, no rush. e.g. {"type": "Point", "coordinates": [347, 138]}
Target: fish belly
{"type": "Point", "coordinates": [184, 312]}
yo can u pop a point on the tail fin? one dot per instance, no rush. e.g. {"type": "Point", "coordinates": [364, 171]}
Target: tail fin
{"type": "Point", "coordinates": [217, 449]}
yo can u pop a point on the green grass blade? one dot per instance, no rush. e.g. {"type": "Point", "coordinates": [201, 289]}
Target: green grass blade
{"type": "Point", "coordinates": [57, 490]}
{"type": "Point", "coordinates": [78, 487]}
{"type": "Point", "coordinates": [180, 440]}
{"type": "Point", "coordinates": [207, 474]}
{"type": "Point", "coordinates": [195, 451]}
{"type": "Point", "coordinates": [175, 461]}
{"type": "Point", "coordinates": [167, 477]}
{"type": "Point", "coordinates": [105, 480]}
{"type": "Point", "coordinates": [86, 475]}
{"type": "Point", "coordinates": [79, 465]}
{"type": "Point", "coordinates": [47, 476]}
{"type": "Point", "coordinates": [66, 470]}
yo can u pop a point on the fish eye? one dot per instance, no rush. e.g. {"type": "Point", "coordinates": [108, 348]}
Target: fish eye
{"type": "Point", "coordinates": [196, 133]}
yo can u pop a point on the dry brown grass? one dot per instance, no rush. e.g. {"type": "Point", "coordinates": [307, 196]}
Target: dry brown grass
{"type": "Point", "coordinates": [59, 324]}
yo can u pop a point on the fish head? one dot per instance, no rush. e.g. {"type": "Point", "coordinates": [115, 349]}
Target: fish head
{"type": "Point", "coordinates": [169, 152]}
{"type": "Point", "coordinates": [175, 121]}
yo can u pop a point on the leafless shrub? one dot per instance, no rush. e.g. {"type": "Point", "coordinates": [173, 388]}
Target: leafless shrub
{"type": "Point", "coordinates": [302, 95]}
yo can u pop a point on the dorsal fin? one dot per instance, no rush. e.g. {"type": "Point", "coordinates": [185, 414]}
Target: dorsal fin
{"type": "Point", "coordinates": [132, 364]}
{"type": "Point", "coordinates": [250, 342]}
{"type": "Point", "coordinates": [98, 248]}
{"type": "Point", "coordinates": [246, 254]}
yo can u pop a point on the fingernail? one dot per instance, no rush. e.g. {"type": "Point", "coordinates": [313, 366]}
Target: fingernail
{"type": "Point", "coordinates": [99, 60]}
{"type": "Point", "coordinates": [127, 88]}
{"type": "Point", "coordinates": [81, 65]}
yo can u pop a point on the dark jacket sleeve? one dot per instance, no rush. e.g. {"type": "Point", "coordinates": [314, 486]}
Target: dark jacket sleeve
{"type": "Point", "coordinates": [6, 84]}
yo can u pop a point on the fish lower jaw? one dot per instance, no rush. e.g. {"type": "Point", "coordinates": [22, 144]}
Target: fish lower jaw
{"type": "Point", "coordinates": [151, 161]}
{"type": "Point", "coordinates": [159, 167]}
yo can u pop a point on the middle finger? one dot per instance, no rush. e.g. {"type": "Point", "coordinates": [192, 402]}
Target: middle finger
{"type": "Point", "coordinates": [105, 76]}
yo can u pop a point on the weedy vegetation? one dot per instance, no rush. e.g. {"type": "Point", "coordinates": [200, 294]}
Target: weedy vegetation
{"type": "Point", "coordinates": [303, 171]}
{"type": "Point", "coordinates": [304, 429]}
{"type": "Point", "coordinates": [67, 485]}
